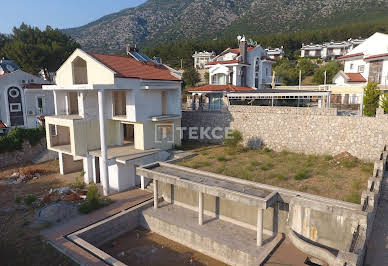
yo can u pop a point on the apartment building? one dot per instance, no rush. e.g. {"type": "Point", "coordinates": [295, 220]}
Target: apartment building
{"type": "Point", "coordinates": [275, 53]}
{"type": "Point", "coordinates": [329, 50]}
{"type": "Point", "coordinates": [202, 58]}
{"type": "Point", "coordinates": [112, 114]}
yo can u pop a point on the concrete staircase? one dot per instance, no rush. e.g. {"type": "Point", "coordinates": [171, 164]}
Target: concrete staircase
{"type": "Point", "coordinates": [384, 189]}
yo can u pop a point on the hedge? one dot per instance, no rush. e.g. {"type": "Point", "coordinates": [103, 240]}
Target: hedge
{"type": "Point", "coordinates": [15, 138]}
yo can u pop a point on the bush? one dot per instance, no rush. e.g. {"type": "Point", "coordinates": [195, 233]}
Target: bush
{"type": "Point", "coordinates": [234, 137]}
{"type": "Point", "coordinates": [93, 201]}
{"type": "Point", "coordinates": [14, 140]}
{"type": "Point", "coordinates": [267, 150]}
{"type": "Point", "coordinates": [267, 166]}
{"type": "Point", "coordinates": [221, 158]}
{"type": "Point", "coordinates": [79, 181]}
{"type": "Point", "coordinates": [371, 99]}
{"type": "Point", "coordinates": [302, 174]}
{"type": "Point", "coordinates": [384, 102]}
{"type": "Point", "coordinates": [29, 200]}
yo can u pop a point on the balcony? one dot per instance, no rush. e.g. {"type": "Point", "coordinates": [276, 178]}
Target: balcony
{"type": "Point", "coordinates": [268, 80]}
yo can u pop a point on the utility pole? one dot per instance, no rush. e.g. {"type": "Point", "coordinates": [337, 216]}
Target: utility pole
{"type": "Point", "coordinates": [325, 78]}
{"type": "Point", "coordinates": [181, 63]}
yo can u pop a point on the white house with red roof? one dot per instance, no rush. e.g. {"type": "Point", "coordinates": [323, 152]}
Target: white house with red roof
{"type": "Point", "coordinates": [112, 114]}
{"type": "Point", "coordinates": [243, 69]}
{"type": "Point", "coordinates": [367, 62]}
{"type": "Point", "coordinates": [22, 100]}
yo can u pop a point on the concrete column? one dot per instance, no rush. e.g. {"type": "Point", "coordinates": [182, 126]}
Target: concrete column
{"type": "Point", "coordinates": [260, 214]}
{"type": "Point", "coordinates": [156, 193]}
{"type": "Point", "coordinates": [88, 168]}
{"type": "Point", "coordinates": [60, 158]}
{"type": "Point", "coordinates": [142, 185]}
{"type": "Point", "coordinates": [200, 208]}
{"type": "Point", "coordinates": [104, 154]}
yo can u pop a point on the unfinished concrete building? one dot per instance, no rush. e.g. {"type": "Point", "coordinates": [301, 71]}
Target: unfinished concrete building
{"type": "Point", "coordinates": [110, 113]}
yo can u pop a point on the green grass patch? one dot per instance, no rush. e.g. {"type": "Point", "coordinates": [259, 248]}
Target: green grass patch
{"type": "Point", "coordinates": [302, 174]}
{"type": "Point", "coordinates": [353, 197]}
{"type": "Point", "coordinates": [367, 168]}
{"type": "Point", "coordinates": [348, 164]}
{"type": "Point", "coordinates": [222, 159]}
{"type": "Point", "coordinates": [255, 163]}
{"type": "Point", "coordinates": [267, 166]}
{"type": "Point", "coordinates": [267, 150]}
{"type": "Point", "coordinates": [29, 199]}
{"type": "Point", "coordinates": [328, 157]}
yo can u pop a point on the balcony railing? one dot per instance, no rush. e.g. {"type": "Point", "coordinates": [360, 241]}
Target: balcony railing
{"type": "Point", "coordinates": [268, 80]}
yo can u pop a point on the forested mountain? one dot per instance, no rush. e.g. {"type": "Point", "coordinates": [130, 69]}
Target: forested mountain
{"type": "Point", "coordinates": [162, 21]}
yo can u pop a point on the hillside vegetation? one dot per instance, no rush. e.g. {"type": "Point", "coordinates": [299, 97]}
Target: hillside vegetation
{"type": "Point", "coordinates": [162, 21]}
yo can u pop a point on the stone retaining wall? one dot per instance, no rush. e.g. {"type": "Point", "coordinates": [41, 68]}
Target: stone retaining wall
{"type": "Point", "coordinates": [26, 154]}
{"type": "Point", "coordinates": [306, 130]}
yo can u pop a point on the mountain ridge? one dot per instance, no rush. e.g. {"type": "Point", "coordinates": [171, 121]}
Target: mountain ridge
{"type": "Point", "coordinates": [162, 21]}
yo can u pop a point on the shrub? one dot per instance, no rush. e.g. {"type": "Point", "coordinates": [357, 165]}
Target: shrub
{"type": "Point", "coordinates": [328, 157]}
{"type": "Point", "coordinates": [349, 163]}
{"type": "Point", "coordinates": [79, 181]}
{"type": "Point", "coordinates": [18, 199]}
{"type": "Point", "coordinates": [266, 149]}
{"type": "Point", "coordinates": [29, 200]}
{"type": "Point", "coordinates": [221, 158]}
{"type": "Point", "coordinates": [267, 166]}
{"type": "Point", "coordinates": [14, 140]}
{"type": "Point", "coordinates": [384, 102]}
{"type": "Point", "coordinates": [93, 201]}
{"type": "Point", "coordinates": [234, 137]}
{"type": "Point", "coordinates": [302, 174]}
{"type": "Point", "coordinates": [255, 163]}
{"type": "Point", "coordinates": [371, 99]}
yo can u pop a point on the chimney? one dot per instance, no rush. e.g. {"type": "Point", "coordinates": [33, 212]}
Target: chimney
{"type": "Point", "coordinates": [243, 49]}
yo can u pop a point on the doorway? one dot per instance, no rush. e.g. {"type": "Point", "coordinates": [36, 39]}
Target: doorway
{"type": "Point", "coordinates": [97, 165]}
{"type": "Point", "coordinates": [128, 134]}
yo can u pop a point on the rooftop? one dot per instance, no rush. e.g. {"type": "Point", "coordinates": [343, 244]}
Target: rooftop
{"type": "Point", "coordinates": [227, 88]}
{"type": "Point", "coordinates": [127, 67]}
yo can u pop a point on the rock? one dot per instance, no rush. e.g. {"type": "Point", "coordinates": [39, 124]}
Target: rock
{"type": "Point", "coordinates": [15, 175]}
{"type": "Point", "coordinates": [18, 181]}
{"type": "Point", "coordinates": [37, 175]}
{"type": "Point", "coordinates": [34, 178]}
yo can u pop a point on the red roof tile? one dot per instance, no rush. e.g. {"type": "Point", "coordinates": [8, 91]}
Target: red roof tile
{"type": "Point", "coordinates": [350, 55]}
{"type": "Point", "coordinates": [228, 88]}
{"type": "Point", "coordinates": [33, 86]}
{"type": "Point", "coordinates": [355, 77]}
{"type": "Point", "coordinates": [126, 67]}
{"type": "Point", "coordinates": [2, 125]}
{"type": "Point", "coordinates": [376, 56]}
{"type": "Point", "coordinates": [223, 62]}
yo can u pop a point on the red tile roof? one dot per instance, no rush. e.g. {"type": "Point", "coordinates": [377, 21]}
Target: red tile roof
{"type": "Point", "coordinates": [126, 67]}
{"type": "Point", "coordinates": [355, 77]}
{"type": "Point", "coordinates": [227, 88]}
{"type": "Point", "coordinates": [237, 50]}
{"type": "Point", "coordinates": [223, 62]}
{"type": "Point", "coordinates": [376, 56]}
{"type": "Point", "coordinates": [2, 125]}
{"type": "Point", "coordinates": [33, 86]}
{"type": "Point", "coordinates": [350, 55]}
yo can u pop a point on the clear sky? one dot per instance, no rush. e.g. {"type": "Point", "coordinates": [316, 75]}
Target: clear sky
{"type": "Point", "coordinates": [57, 13]}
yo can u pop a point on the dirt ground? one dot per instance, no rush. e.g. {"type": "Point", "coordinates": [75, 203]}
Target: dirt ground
{"type": "Point", "coordinates": [20, 242]}
{"type": "Point", "coordinates": [141, 247]}
{"type": "Point", "coordinates": [340, 177]}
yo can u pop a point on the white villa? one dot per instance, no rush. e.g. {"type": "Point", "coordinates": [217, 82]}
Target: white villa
{"type": "Point", "coordinates": [112, 114]}
{"type": "Point", "coordinates": [202, 58]}
{"type": "Point", "coordinates": [275, 53]}
{"type": "Point", "coordinates": [23, 103]}
{"type": "Point", "coordinates": [367, 62]}
{"type": "Point", "coordinates": [329, 50]}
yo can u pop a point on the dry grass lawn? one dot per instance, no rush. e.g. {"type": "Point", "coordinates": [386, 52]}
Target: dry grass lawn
{"type": "Point", "coordinates": [342, 179]}
{"type": "Point", "coordinates": [20, 241]}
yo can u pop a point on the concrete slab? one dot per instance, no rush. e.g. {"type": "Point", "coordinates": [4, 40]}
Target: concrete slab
{"type": "Point", "coordinates": [56, 235]}
{"type": "Point", "coordinates": [124, 150]}
{"type": "Point", "coordinates": [230, 236]}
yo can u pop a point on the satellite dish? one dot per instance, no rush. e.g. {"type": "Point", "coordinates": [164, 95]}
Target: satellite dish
{"type": "Point", "coordinates": [243, 38]}
{"type": "Point", "coordinates": [239, 38]}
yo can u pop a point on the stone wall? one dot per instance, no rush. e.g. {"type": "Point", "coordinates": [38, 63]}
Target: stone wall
{"type": "Point", "coordinates": [26, 154]}
{"type": "Point", "coordinates": [306, 130]}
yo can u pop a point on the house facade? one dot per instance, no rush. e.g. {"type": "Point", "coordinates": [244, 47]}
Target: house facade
{"type": "Point", "coordinates": [22, 100]}
{"type": "Point", "coordinates": [202, 58]}
{"type": "Point", "coordinates": [112, 114]}
{"type": "Point", "coordinates": [329, 50]}
{"type": "Point", "coordinates": [367, 62]}
{"type": "Point", "coordinates": [275, 53]}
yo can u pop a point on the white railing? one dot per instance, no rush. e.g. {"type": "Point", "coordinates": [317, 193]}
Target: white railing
{"type": "Point", "coordinates": [306, 88]}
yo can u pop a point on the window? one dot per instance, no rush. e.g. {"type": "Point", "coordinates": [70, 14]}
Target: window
{"type": "Point", "coordinates": [361, 69]}
{"type": "Point", "coordinates": [15, 107]}
{"type": "Point", "coordinates": [14, 92]}
{"type": "Point", "coordinates": [351, 66]}
{"type": "Point", "coordinates": [53, 130]}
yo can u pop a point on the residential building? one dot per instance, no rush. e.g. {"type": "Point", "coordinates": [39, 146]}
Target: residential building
{"type": "Point", "coordinates": [275, 53]}
{"type": "Point", "coordinates": [329, 50]}
{"type": "Point", "coordinates": [113, 113]}
{"type": "Point", "coordinates": [367, 62]}
{"type": "Point", "coordinates": [202, 58]}
{"type": "Point", "coordinates": [22, 100]}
